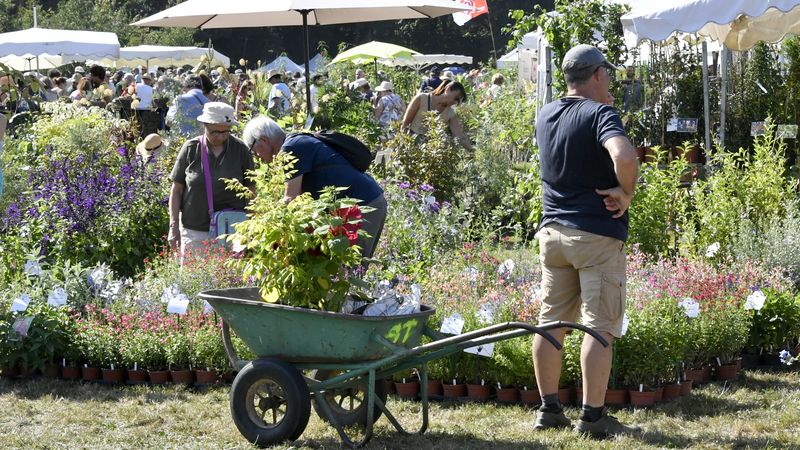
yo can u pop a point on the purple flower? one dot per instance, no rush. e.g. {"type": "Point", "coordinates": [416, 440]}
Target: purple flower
{"type": "Point", "coordinates": [434, 207]}
{"type": "Point", "coordinates": [426, 188]}
{"type": "Point", "coordinates": [122, 151]}
{"type": "Point", "coordinates": [405, 185]}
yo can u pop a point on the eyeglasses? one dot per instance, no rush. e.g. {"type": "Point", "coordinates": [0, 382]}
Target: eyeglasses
{"type": "Point", "coordinates": [218, 132]}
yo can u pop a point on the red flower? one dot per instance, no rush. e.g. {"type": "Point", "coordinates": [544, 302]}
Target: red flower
{"type": "Point", "coordinates": [348, 215]}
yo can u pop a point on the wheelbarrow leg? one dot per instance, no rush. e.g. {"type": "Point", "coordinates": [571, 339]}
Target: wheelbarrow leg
{"type": "Point", "coordinates": [371, 402]}
{"type": "Point", "coordinates": [424, 397]}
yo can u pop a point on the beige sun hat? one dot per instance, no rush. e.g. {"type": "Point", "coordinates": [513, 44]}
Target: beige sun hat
{"type": "Point", "coordinates": [218, 113]}
{"type": "Point", "coordinates": [274, 72]}
{"type": "Point", "coordinates": [361, 82]}
{"type": "Point", "coordinates": [384, 86]}
{"type": "Point", "coordinates": [448, 75]}
{"type": "Point", "coordinates": [149, 145]}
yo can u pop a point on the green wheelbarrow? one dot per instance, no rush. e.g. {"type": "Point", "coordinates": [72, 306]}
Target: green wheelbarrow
{"type": "Point", "coordinates": [338, 360]}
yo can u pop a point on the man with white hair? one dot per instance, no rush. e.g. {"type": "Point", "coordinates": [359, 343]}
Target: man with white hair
{"type": "Point", "coordinates": [319, 165]}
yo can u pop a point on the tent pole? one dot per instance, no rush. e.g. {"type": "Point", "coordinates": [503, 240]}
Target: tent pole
{"type": "Point", "coordinates": [706, 112]}
{"type": "Point", "coordinates": [723, 92]}
{"type": "Point", "coordinates": [305, 12]}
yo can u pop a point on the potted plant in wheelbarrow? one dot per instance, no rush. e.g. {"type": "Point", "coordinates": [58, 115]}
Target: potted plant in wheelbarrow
{"type": "Point", "coordinates": [301, 254]}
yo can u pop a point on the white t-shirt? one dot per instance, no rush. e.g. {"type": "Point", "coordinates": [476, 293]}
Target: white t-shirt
{"type": "Point", "coordinates": [145, 95]}
{"type": "Point", "coordinates": [280, 92]}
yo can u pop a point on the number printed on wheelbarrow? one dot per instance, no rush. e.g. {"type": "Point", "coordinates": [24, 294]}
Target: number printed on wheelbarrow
{"type": "Point", "coordinates": [400, 333]}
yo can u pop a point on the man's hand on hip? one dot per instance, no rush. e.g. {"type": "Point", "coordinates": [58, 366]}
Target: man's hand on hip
{"type": "Point", "coordinates": [615, 199]}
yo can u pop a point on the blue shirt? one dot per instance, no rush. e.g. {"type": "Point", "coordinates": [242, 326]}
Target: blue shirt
{"type": "Point", "coordinates": [571, 133]}
{"type": "Point", "coordinates": [185, 110]}
{"type": "Point", "coordinates": [321, 166]}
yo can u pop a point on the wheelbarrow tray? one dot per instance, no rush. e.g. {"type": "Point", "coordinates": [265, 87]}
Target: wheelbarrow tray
{"type": "Point", "coordinates": [301, 335]}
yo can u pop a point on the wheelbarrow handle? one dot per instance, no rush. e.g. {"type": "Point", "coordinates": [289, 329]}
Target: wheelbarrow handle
{"type": "Point", "coordinates": [577, 326]}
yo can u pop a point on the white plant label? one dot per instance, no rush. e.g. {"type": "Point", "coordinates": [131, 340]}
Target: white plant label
{"type": "Point", "coordinates": [22, 325]}
{"type": "Point", "coordinates": [169, 293]}
{"type": "Point", "coordinates": [207, 308]}
{"type": "Point", "coordinates": [690, 307]}
{"type": "Point", "coordinates": [625, 323]}
{"type": "Point", "coordinates": [486, 314]}
{"type": "Point", "coordinates": [33, 268]}
{"type": "Point", "coordinates": [178, 304]}
{"type": "Point", "coordinates": [712, 250]}
{"type": "Point", "coordinates": [755, 301]}
{"type": "Point", "coordinates": [486, 350]}
{"type": "Point", "coordinates": [58, 297]}
{"type": "Point", "coordinates": [21, 303]}
{"type": "Point", "coordinates": [453, 324]}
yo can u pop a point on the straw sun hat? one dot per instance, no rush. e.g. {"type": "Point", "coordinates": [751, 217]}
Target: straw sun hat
{"type": "Point", "coordinates": [149, 145]}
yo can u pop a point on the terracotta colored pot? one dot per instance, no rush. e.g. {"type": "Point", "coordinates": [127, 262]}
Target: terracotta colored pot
{"type": "Point", "coordinates": [695, 375]}
{"type": "Point", "coordinates": [113, 376]}
{"type": "Point", "coordinates": [616, 397]}
{"type": "Point", "coordinates": [52, 370]}
{"type": "Point", "coordinates": [565, 395]}
{"type": "Point", "coordinates": [479, 392]}
{"type": "Point", "coordinates": [659, 393]}
{"type": "Point", "coordinates": [738, 363]}
{"type": "Point", "coordinates": [228, 376]}
{"type": "Point", "coordinates": [508, 395]}
{"type": "Point", "coordinates": [158, 376]}
{"type": "Point", "coordinates": [137, 376]}
{"type": "Point", "coordinates": [530, 397]}
{"type": "Point", "coordinates": [434, 388]}
{"type": "Point", "coordinates": [390, 386]}
{"type": "Point", "coordinates": [578, 395]}
{"type": "Point", "coordinates": [727, 372]}
{"type": "Point", "coordinates": [686, 387]}
{"type": "Point", "coordinates": [182, 376]}
{"type": "Point", "coordinates": [408, 390]}
{"type": "Point", "coordinates": [70, 373]}
{"type": "Point", "coordinates": [706, 375]}
{"type": "Point", "coordinates": [206, 377]}
{"type": "Point", "coordinates": [91, 373]}
{"type": "Point", "coordinates": [25, 372]}
{"type": "Point", "coordinates": [454, 390]}
{"type": "Point", "coordinates": [642, 399]}
{"type": "Point", "coordinates": [672, 391]}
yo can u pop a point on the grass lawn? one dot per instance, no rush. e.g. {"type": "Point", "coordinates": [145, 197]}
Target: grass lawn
{"type": "Point", "coordinates": [759, 410]}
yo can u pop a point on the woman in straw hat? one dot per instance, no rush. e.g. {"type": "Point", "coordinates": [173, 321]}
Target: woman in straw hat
{"type": "Point", "coordinates": [150, 148]}
{"type": "Point", "coordinates": [228, 158]}
{"type": "Point", "coordinates": [389, 107]}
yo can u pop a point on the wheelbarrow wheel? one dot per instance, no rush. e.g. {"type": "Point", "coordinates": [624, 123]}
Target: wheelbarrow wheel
{"type": "Point", "coordinates": [348, 405]}
{"type": "Point", "coordinates": [270, 402]}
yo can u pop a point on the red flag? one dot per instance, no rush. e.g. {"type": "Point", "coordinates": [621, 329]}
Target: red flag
{"type": "Point", "coordinates": [478, 7]}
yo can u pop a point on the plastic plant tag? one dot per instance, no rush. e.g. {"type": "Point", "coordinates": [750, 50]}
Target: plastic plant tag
{"type": "Point", "coordinates": [21, 303]}
{"type": "Point", "coordinates": [625, 323]}
{"type": "Point", "coordinates": [486, 314]}
{"type": "Point", "coordinates": [178, 304]}
{"type": "Point", "coordinates": [486, 350]}
{"type": "Point", "coordinates": [33, 268]}
{"type": "Point", "coordinates": [690, 307]}
{"type": "Point", "coordinates": [755, 301]}
{"type": "Point", "coordinates": [712, 250]}
{"type": "Point", "coordinates": [453, 324]}
{"type": "Point", "coordinates": [58, 297]}
{"type": "Point", "coordinates": [169, 293]}
{"type": "Point", "coordinates": [22, 325]}
{"type": "Point", "coordinates": [207, 308]}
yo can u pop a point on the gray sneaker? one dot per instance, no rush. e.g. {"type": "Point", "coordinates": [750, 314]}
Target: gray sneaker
{"type": "Point", "coordinates": [546, 420]}
{"type": "Point", "coordinates": [605, 427]}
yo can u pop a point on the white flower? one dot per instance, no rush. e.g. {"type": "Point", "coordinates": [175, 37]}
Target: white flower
{"type": "Point", "coordinates": [690, 307]}
{"type": "Point", "coordinates": [33, 268]}
{"type": "Point", "coordinates": [712, 250]}
{"type": "Point", "coordinates": [471, 273]}
{"type": "Point", "coordinates": [506, 267]}
{"type": "Point", "coordinates": [755, 300]}
{"type": "Point", "coordinates": [486, 314]}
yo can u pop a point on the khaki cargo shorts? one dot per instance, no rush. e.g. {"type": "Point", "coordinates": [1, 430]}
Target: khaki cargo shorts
{"type": "Point", "coordinates": [582, 272]}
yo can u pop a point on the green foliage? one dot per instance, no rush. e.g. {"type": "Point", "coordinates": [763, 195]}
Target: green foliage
{"type": "Point", "coordinates": [740, 186]}
{"type": "Point", "coordinates": [575, 22]}
{"type": "Point", "coordinates": [777, 324]}
{"type": "Point", "coordinates": [47, 336]}
{"type": "Point", "coordinates": [434, 159]}
{"type": "Point", "coordinates": [571, 365]}
{"type": "Point", "coordinates": [339, 110]}
{"type": "Point", "coordinates": [178, 349]}
{"type": "Point", "coordinates": [659, 203]}
{"type": "Point", "coordinates": [512, 363]}
{"type": "Point", "coordinates": [298, 250]}
{"type": "Point", "coordinates": [207, 349]}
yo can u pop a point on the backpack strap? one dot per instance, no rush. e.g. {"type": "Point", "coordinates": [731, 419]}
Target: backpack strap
{"type": "Point", "coordinates": [207, 175]}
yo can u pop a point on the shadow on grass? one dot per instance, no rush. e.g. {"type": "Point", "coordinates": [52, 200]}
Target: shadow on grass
{"type": "Point", "coordinates": [705, 404]}
{"type": "Point", "coordinates": [762, 381]}
{"type": "Point", "coordinates": [36, 388]}
{"type": "Point", "coordinates": [432, 440]}
{"type": "Point", "coordinates": [661, 439]}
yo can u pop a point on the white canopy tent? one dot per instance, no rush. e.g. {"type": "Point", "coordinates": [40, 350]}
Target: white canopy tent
{"type": "Point", "coordinates": [259, 13]}
{"type": "Point", "coordinates": [420, 61]}
{"type": "Point", "coordinates": [317, 63]}
{"type": "Point", "coordinates": [283, 63]}
{"type": "Point", "coordinates": [29, 62]}
{"type": "Point", "coordinates": [57, 47]}
{"type": "Point", "coordinates": [738, 24]}
{"type": "Point", "coordinates": [164, 56]}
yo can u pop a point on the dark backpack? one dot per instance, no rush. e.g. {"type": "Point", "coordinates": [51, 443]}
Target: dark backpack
{"type": "Point", "coordinates": [353, 150]}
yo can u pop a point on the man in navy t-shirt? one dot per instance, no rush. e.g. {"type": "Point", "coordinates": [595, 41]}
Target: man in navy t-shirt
{"type": "Point", "coordinates": [318, 166]}
{"type": "Point", "coordinates": [589, 170]}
